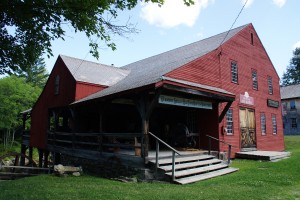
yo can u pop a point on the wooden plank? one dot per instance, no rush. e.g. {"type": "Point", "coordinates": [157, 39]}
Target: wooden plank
{"type": "Point", "coordinates": [198, 170]}
{"type": "Point", "coordinates": [209, 175]}
{"type": "Point", "coordinates": [191, 164]}
{"type": "Point", "coordinates": [183, 159]}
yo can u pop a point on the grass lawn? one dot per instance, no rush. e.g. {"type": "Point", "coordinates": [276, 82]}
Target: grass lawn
{"type": "Point", "coordinates": [255, 180]}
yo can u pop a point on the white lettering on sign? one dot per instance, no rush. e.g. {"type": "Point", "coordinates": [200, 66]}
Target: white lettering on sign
{"type": "Point", "coordinates": [177, 101]}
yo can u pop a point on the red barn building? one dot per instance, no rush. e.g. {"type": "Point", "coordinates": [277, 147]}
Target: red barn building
{"type": "Point", "coordinates": [224, 86]}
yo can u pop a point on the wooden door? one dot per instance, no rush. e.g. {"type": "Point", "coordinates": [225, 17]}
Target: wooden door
{"type": "Point", "coordinates": [247, 127]}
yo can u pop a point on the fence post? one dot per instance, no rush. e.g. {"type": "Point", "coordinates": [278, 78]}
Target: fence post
{"type": "Point", "coordinates": [229, 153]}
{"type": "Point", "coordinates": [156, 156]}
{"type": "Point", "coordinates": [173, 165]}
{"type": "Point", "coordinates": [209, 145]}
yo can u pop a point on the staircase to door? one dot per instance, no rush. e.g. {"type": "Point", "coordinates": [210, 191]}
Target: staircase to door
{"type": "Point", "coordinates": [192, 168]}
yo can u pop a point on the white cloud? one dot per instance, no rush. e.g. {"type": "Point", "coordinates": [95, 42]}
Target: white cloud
{"type": "Point", "coordinates": [173, 13]}
{"type": "Point", "coordinates": [297, 44]}
{"type": "Point", "coordinates": [279, 3]}
{"type": "Point", "coordinates": [248, 4]}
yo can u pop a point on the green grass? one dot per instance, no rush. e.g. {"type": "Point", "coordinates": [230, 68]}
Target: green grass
{"type": "Point", "coordinates": [254, 180]}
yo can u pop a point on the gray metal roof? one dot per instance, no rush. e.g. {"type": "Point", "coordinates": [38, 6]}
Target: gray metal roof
{"type": "Point", "coordinates": [151, 70]}
{"type": "Point", "coordinates": [91, 72]}
{"type": "Point", "coordinates": [289, 92]}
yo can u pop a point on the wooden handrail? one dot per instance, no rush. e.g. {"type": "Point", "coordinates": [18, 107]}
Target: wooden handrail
{"type": "Point", "coordinates": [157, 154]}
{"type": "Point", "coordinates": [229, 146]}
{"type": "Point", "coordinates": [161, 141]}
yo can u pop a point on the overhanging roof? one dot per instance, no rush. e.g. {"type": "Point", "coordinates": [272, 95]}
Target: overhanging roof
{"type": "Point", "coordinates": [150, 70]}
{"type": "Point", "coordinates": [290, 92]}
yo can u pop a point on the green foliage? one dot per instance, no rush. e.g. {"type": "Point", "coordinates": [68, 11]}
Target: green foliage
{"type": "Point", "coordinates": [15, 96]}
{"type": "Point", "coordinates": [28, 27]}
{"type": "Point", "coordinates": [254, 180]}
{"type": "Point", "coordinates": [292, 74]}
{"type": "Point", "coordinates": [36, 75]}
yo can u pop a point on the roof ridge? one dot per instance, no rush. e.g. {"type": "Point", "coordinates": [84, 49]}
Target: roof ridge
{"type": "Point", "coordinates": [198, 41]}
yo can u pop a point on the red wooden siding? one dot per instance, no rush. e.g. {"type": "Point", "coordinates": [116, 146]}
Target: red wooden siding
{"type": "Point", "coordinates": [85, 89]}
{"type": "Point", "coordinates": [214, 69]}
{"type": "Point", "coordinates": [48, 99]}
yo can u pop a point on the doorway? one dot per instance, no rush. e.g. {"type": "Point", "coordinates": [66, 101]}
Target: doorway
{"type": "Point", "coordinates": [247, 127]}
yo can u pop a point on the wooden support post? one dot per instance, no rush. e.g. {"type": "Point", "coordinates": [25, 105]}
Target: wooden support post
{"type": "Point", "coordinates": [173, 165]}
{"type": "Point", "coordinates": [40, 158]}
{"type": "Point", "coordinates": [30, 153]}
{"type": "Point", "coordinates": [23, 152]}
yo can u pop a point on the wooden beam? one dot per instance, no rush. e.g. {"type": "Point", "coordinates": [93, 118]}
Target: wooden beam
{"type": "Point", "coordinates": [224, 111]}
{"type": "Point", "coordinates": [218, 97]}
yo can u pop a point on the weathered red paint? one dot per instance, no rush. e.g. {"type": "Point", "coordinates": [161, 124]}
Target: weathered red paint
{"type": "Point", "coordinates": [69, 91]}
{"type": "Point", "coordinates": [214, 69]}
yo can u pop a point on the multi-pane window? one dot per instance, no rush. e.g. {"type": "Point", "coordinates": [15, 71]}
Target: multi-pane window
{"type": "Point", "coordinates": [229, 122]}
{"type": "Point", "coordinates": [254, 80]}
{"type": "Point", "coordinates": [57, 84]}
{"type": "Point", "coordinates": [263, 123]}
{"type": "Point", "coordinates": [294, 123]}
{"type": "Point", "coordinates": [234, 72]}
{"type": "Point", "coordinates": [274, 124]}
{"type": "Point", "coordinates": [292, 105]}
{"type": "Point", "coordinates": [270, 85]}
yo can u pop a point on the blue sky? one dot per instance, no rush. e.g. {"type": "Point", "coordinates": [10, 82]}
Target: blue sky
{"type": "Point", "coordinates": [174, 25]}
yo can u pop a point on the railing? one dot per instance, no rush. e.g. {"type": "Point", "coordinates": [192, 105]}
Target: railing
{"type": "Point", "coordinates": [158, 140]}
{"type": "Point", "coordinates": [229, 146]}
{"type": "Point", "coordinates": [101, 142]}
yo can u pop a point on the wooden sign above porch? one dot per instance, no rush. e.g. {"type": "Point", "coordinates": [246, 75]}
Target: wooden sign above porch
{"type": "Point", "coordinates": [178, 101]}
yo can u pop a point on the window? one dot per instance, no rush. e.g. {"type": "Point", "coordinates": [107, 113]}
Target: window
{"type": "Point", "coordinates": [263, 123]}
{"type": "Point", "coordinates": [254, 80]}
{"type": "Point", "coordinates": [229, 122]}
{"type": "Point", "coordinates": [274, 124]}
{"type": "Point", "coordinates": [292, 105]}
{"type": "Point", "coordinates": [234, 72]}
{"type": "Point", "coordinates": [252, 39]}
{"type": "Point", "coordinates": [57, 85]}
{"type": "Point", "coordinates": [294, 123]}
{"type": "Point", "coordinates": [270, 85]}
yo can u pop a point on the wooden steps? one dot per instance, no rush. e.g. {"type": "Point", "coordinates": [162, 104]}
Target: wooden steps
{"type": "Point", "coordinates": [193, 168]}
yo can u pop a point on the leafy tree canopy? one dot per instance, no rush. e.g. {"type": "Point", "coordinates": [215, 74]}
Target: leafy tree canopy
{"type": "Point", "coordinates": [36, 75]}
{"type": "Point", "coordinates": [15, 96]}
{"type": "Point", "coordinates": [292, 74]}
{"type": "Point", "coordinates": [27, 27]}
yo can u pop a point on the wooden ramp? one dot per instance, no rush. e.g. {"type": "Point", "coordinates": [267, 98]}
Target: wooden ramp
{"type": "Point", "coordinates": [193, 168]}
{"type": "Point", "coordinates": [263, 155]}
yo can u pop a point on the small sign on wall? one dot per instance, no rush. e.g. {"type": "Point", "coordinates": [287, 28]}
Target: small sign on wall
{"type": "Point", "coordinates": [246, 99]}
{"type": "Point", "coordinates": [272, 103]}
{"type": "Point", "coordinates": [177, 101]}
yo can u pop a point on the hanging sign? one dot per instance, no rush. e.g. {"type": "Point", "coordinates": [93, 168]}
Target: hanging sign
{"type": "Point", "coordinates": [246, 99]}
{"type": "Point", "coordinates": [273, 103]}
{"type": "Point", "coordinates": [177, 101]}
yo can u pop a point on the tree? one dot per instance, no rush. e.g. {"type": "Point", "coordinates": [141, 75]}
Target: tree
{"type": "Point", "coordinates": [15, 96]}
{"type": "Point", "coordinates": [27, 27]}
{"type": "Point", "coordinates": [292, 74]}
{"type": "Point", "coordinates": [36, 75]}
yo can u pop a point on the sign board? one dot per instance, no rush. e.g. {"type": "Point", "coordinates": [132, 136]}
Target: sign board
{"type": "Point", "coordinates": [178, 101]}
{"type": "Point", "coordinates": [246, 99]}
{"type": "Point", "coordinates": [272, 103]}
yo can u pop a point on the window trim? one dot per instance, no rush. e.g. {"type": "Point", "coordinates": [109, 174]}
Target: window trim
{"type": "Point", "coordinates": [294, 125]}
{"type": "Point", "coordinates": [274, 126]}
{"type": "Point", "coordinates": [228, 121]}
{"type": "Point", "coordinates": [256, 81]}
{"type": "Point", "coordinates": [270, 85]}
{"type": "Point", "coordinates": [263, 124]}
{"type": "Point", "coordinates": [236, 72]}
{"type": "Point", "coordinates": [57, 83]}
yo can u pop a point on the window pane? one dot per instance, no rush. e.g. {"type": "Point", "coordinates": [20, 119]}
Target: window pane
{"type": "Point", "coordinates": [294, 123]}
{"type": "Point", "coordinates": [234, 72]}
{"type": "Point", "coordinates": [274, 123]}
{"type": "Point", "coordinates": [263, 123]}
{"type": "Point", "coordinates": [270, 85]}
{"type": "Point", "coordinates": [254, 80]}
{"type": "Point", "coordinates": [293, 105]}
{"type": "Point", "coordinates": [229, 122]}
